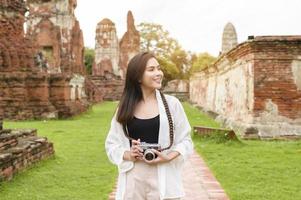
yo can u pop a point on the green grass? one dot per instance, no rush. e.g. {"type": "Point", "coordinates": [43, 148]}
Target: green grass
{"type": "Point", "coordinates": [80, 170]}
{"type": "Point", "coordinates": [255, 169]}
{"type": "Point", "coordinates": [261, 170]}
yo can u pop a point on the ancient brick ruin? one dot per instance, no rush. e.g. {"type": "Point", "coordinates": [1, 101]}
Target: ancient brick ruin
{"type": "Point", "coordinates": [27, 90]}
{"type": "Point", "coordinates": [129, 44]}
{"type": "Point", "coordinates": [20, 149]}
{"type": "Point", "coordinates": [16, 52]}
{"type": "Point", "coordinates": [19, 75]}
{"type": "Point", "coordinates": [106, 49]}
{"type": "Point", "coordinates": [108, 87]}
{"type": "Point", "coordinates": [111, 59]}
{"type": "Point", "coordinates": [229, 39]}
{"type": "Point", "coordinates": [255, 88]}
{"type": "Point", "coordinates": [55, 30]}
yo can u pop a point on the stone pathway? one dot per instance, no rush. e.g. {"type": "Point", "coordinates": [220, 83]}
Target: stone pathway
{"type": "Point", "coordinates": [199, 182]}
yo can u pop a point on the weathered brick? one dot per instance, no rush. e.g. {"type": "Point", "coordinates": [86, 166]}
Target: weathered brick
{"type": "Point", "coordinates": [257, 84]}
{"type": "Point", "coordinates": [27, 90]}
{"type": "Point", "coordinates": [27, 150]}
{"type": "Point", "coordinates": [129, 44]}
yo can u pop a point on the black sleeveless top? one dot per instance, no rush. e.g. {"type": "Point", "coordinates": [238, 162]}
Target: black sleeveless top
{"type": "Point", "coordinates": [145, 129]}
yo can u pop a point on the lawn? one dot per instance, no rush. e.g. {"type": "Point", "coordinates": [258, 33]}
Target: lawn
{"type": "Point", "coordinates": [80, 169]}
{"type": "Point", "coordinates": [251, 170]}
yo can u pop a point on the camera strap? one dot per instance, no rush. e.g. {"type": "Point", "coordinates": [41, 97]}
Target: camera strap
{"type": "Point", "coordinates": [170, 122]}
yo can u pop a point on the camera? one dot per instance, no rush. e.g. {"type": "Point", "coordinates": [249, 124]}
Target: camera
{"type": "Point", "coordinates": [148, 154]}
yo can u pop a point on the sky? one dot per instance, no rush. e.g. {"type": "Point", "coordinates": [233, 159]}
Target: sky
{"type": "Point", "coordinates": [196, 24]}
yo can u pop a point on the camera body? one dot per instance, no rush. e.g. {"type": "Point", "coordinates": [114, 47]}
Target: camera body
{"type": "Point", "coordinates": [148, 154]}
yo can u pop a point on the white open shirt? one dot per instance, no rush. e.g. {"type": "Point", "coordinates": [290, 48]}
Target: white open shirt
{"type": "Point", "coordinates": [169, 174]}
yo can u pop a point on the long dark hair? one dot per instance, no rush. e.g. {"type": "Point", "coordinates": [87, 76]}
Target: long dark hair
{"type": "Point", "coordinates": [132, 92]}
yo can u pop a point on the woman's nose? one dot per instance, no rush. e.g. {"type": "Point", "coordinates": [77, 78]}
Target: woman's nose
{"type": "Point", "coordinates": [159, 74]}
{"type": "Point", "coordinates": [158, 71]}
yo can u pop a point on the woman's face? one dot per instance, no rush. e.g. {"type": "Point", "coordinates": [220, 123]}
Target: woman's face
{"type": "Point", "coordinates": [153, 75]}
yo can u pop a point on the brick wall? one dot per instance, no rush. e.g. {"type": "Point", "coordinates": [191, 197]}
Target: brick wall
{"type": "Point", "coordinates": [19, 149]}
{"type": "Point", "coordinates": [26, 90]}
{"type": "Point", "coordinates": [255, 88]}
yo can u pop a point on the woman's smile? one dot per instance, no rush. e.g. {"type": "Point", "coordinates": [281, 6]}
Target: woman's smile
{"type": "Point", "coordinates": [158, 80]}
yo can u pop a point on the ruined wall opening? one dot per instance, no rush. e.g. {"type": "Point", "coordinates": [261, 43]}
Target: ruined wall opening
{"type": "Point", "coordinates": [76, 93]}
{"type": "Point", "coordinates": [48, 53]}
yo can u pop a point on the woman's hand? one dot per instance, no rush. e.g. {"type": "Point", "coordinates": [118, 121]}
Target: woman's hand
{"type": "Point", "coordinates": [135, 152]}
{"type": "Point", "coordinates": [162, 158]}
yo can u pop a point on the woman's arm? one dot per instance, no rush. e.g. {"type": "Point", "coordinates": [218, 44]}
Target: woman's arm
{"type": "Point", "coordinates": [115, 147]}
{"type": "Point", "coordinates": [183, 145]}
{"type": "Point", "coordinates": [183, 142]}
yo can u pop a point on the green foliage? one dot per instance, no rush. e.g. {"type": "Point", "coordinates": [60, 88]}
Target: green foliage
{"type": "Point", "coordinates": [169, 69]}
{"type": "Point", "coordinates": [89, 59]}
{"type": "Point", "coordinates": [180, 58]}
{"type": "Point", "coordinates": [202, 61]}
{"type": "Point", "coordinates": [167, 49]}
{"type": "Point", "coordinates": [157, 40]}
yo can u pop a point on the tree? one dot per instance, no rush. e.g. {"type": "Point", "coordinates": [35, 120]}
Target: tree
{"type": "Point", "coordinates": [180, 58]}
{"type": "Point", "coordinates": [89, 59]}
{"type": "Point", "coordinates": [201, 61]}
{"type": "Point", "coordinates": [170, 54]}
{"type": "Point", "coordinates": [169, 69]}
{"type": "Point", "coordinates": [157, 40]}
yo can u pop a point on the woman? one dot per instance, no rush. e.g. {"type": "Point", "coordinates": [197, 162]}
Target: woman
{"type": "Point", "coordinates": [144, 114]}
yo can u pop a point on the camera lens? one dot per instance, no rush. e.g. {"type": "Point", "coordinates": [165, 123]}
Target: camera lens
{"type": "Point", "coordinates": [149, 155]}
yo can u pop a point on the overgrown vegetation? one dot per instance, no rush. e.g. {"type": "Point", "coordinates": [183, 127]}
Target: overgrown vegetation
{"type": "Point", "coordinates": [89, 59]}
